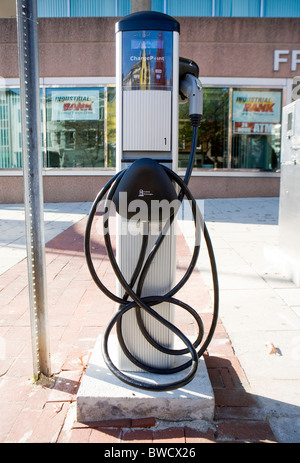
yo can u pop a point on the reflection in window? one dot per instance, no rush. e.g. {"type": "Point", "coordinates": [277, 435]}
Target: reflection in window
{"type": "Point", "coordinates": [10, 128]}
{"type": "Point", "coordinates": [75, 127]}
{"type": "Point", "coordinates": [256, 152]}
{"type": "Point", "coordinates": [229, 8]}
{"type": "Point", "coordinates": [81, 8]}
{"type": "Point", "coordinates": [256, 117]}
{"type": "Point", "coordinates": [80, 128]}
{"type": "Point", "coordinates": [212, 146]}
{"type": "Point", "coordinates": [111, 127]}
{"type": "Point", "coordinates": [184, 7]}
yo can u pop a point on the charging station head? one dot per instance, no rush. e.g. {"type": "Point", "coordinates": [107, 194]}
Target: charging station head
{"type": "Point", "coordinates": [145, 192]}
{"type": "Point", "coordinates": [146, 20]}
{"type": "Point", "coordinates": [187, 66]}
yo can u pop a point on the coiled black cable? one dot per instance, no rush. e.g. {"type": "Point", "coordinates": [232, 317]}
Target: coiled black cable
{"type": "Point", "coordinates": [140, 303]}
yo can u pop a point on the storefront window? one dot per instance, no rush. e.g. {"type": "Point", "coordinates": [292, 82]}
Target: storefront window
{"type": "Point", "coordinates": [111, 127]}
{"type": "Point", "coordinates": [10, 129]}
{"type": "Point", "coordinates": [240, 128]}
{"type": "Point", "coordinates": [75, 127]}
{"type": "Point", "coordinates": [212, 146]}
{"type": "Point", "coordinates": [256, 117]}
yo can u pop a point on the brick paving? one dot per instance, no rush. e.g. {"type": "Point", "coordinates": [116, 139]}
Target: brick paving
{"type": "Point", "coordinates": [78, 313]}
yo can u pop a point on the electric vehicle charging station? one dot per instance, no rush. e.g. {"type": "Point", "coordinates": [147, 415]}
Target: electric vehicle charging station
{"type": "Point", "coordinates": [146, 127]}
{"type": "Point", "coordinates": [146, 194]}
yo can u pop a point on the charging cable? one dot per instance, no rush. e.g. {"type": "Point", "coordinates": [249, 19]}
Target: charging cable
{"type": "Point", "coordinates": [139, 303]}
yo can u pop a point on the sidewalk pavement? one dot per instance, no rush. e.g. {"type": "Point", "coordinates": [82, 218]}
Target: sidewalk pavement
{"type": "Point", "coordinates": [252, 362]}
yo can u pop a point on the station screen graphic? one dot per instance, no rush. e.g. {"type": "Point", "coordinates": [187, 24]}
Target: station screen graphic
{"type": "Point", "coordinates": [147, 60]}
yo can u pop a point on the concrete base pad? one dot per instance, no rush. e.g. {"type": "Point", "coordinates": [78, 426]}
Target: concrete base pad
{"type": "Point", "coordinates": [102, 396]}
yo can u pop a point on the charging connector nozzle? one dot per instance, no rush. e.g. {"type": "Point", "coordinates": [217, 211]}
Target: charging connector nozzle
{"type": "Point", "coordinates": [191, 88]}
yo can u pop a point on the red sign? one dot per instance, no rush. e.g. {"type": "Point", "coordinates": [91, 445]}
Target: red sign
{"type": "Point", "coordinates": [258, 128]}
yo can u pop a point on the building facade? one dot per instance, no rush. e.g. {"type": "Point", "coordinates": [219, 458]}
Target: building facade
{"type": "Point", "coordinates": [248, 53]}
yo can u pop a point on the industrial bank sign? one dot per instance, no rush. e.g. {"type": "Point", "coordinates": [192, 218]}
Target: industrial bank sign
{"type": "Point", "coordinates": [74, 105]}
{"type": "Point", "coordinates": [255, 112]}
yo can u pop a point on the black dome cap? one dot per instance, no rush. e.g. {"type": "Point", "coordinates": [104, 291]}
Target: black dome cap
{"type": "Point", "coordinates": [147, 181]}
{"type": "Point", "coordinates": [147, 20]}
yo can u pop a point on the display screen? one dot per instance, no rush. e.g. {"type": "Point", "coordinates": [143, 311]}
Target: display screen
{"type": "Point", "coordinates": [147, 60]}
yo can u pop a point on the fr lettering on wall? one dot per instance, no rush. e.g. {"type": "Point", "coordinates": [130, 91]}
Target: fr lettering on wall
{"type": "Point", "coordinates": [285, 56]}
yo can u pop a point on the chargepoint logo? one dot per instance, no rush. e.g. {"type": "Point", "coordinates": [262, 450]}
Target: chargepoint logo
{"type": "Point", "coordinates": [147, 58]}
{"type": "Point", "coordinates": [296, 88]}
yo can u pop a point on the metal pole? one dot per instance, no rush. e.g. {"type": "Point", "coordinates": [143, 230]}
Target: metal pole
{"type": "Point", "coordinates": [33, 187]}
